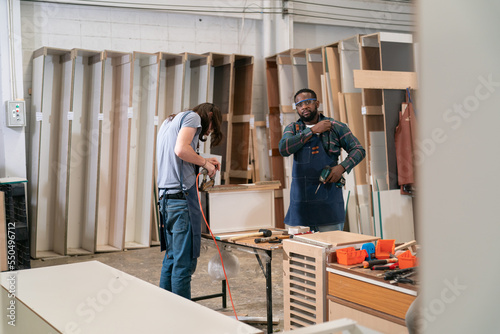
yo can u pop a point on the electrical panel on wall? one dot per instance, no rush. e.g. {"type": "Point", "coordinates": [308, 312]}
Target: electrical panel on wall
{"type": "Point", "coordinates": [16, 114]}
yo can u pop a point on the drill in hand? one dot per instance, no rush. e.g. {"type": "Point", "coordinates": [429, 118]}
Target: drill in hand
{"type": "Point", "coordinates": [324, 175]}
{"type": "Point", "coordinates": [206, 183]}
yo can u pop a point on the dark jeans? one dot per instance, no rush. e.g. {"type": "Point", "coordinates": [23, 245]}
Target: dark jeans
{"type": "Point", "coordinates": [178, 263]}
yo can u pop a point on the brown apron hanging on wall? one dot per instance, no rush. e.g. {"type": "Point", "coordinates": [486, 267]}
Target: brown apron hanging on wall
{"type": "Point", "coordinates": [404, 139]}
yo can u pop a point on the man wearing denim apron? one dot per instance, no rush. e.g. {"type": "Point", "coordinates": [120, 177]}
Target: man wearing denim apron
{"type": "Point", "coordinates": [315, 142]}
{"type": "Point", "coordinates": [180, 214]}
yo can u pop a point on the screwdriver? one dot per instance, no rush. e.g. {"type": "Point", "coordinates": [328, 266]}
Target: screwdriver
{"type": "Point", "coordinates": [324, 174]}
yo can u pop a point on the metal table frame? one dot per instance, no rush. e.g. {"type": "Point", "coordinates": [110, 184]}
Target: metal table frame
{"type": "Point", "coordinates": [266, 270]}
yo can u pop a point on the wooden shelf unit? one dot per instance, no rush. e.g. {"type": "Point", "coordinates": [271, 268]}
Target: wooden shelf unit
{"type": "Point", "coordinates": [83, 151]}
{"type": "Point", "coordinates": [219, 93]}
{"type": "Point", "coordinates": [93, 127]}
{"type": "Point", "coordinates": [144, 93]}
{"type": "Point", "coordinates": [386, 61]}
{"type": "Point", "coordinates": [114, 143]}
{"type": "Point", "coordinates": [240, 170]}
{"type": "Point", "coordinates": [52, 70]}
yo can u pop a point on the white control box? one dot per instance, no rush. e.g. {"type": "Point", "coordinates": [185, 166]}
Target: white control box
{"type": "Point", "coordinates": [16, 113]}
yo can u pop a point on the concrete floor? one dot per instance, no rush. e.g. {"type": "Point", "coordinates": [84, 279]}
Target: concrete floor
{"type": "Point", "coordinates": [248, 288]}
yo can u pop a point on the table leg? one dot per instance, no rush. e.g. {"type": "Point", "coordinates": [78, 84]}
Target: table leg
{"type": "Point", "coordinates": [269, 294]}
{"type": "Point", "coordinates": [269, 288]}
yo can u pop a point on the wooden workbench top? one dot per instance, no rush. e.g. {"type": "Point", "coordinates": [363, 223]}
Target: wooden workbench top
{"type": "Point", "coordinates": [335, 238]}
{"type": "Point", "coordinates": [248, 242]}
{"type": "Point", "coordinates": [265, 185]}
{"type": "Point", "coordinates": [369, 274]}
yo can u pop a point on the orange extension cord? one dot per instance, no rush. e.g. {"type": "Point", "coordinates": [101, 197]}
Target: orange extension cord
{"type": "Point", "coordinates": [216, 245]}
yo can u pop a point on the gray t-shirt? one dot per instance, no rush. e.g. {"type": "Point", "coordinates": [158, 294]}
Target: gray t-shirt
{"type": "Point", "coordinates": [169, 164]}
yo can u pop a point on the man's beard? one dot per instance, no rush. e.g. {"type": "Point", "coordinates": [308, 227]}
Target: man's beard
{"type": "Point", "coordinates": [311, 116]}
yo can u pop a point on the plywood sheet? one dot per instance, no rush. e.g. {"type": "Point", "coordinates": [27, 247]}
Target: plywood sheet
{"type": "Point", "coordinates": [349, 61]}
{"type": "Point", "coordinates": [122, 300]}
{"type": "Point", "coordinates": [393, 215]}
{"type": "Point", "coordinates": [231, 211]}
{"type": "Point", "coordinates": [385, 79]}
{"type": "Point", "coordinates": [355, 122]}
{"type": "Point", "coordinates": [334, 238]}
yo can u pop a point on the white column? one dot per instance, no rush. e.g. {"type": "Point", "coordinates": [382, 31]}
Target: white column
{"type": "Point", "coordinates": [459, 164]}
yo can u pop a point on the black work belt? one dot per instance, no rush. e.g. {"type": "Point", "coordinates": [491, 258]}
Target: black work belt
{"type": "Point", "coordinates": [179, 195]}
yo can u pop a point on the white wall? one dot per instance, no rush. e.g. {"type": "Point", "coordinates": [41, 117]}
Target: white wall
{"type": "Point", "coordinates": [314, 35]}
{"type": "Point", "coordinates": [12, 140]}
{"type": "Point", "coordinates": [118, 29]}
{"type": "Point", "coordinates": [459, 162]}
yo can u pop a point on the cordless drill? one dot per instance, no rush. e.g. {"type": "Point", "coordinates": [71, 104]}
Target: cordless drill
{"type": "Point", "coordinates": [324, 175]}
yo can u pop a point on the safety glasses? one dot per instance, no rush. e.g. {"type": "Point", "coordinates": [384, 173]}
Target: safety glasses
{"type": "Point", "coordinates": [303, 103]}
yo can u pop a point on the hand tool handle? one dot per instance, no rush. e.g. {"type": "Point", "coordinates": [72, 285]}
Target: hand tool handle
{"type": "Point", "coordinates": [369, 264]}
{"type": "Point", "coordinates": [385, 267]}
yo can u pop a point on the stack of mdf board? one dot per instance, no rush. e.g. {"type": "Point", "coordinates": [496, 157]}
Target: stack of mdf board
{"type": "Point", "coordinates": [52, 70]}
{"type": "Point", "coordinates": [144, 92]}
{"type": "Point", "coordinates": [114, 132]}
{"type": "Point", "coordinates": [83, 151]}
{"type": "Point", "coordinates": [386, 71]}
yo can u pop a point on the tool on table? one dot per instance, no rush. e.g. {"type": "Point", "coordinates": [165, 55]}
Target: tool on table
{"type": "Point", "coordinates": [390, 266]}
{"type": "Point", "coordinates": [391, 275]}
{"type": "Point", "coordinates": [323, 176]}
{"type": "Point", "coordinates": [275, 239]}
{"type": "Point", "coordinates": [371, 263]}
{"type": "Point", "coordinates": [404, 278]}
{"type": "Point", "coordinates": [262, 233]}
{"type": "Point", "coordinates": [206, 183]}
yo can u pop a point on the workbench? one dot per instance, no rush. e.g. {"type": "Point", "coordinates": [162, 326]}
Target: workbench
{"type": "Point", "coordinates": [362, 295]}
{"type": "Point", "coordinates": [91, 297]}
{"type": "Point", "coordinates": [264, 263]}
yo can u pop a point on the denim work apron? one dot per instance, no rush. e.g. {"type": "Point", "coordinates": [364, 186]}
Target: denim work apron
{"type": "Point", "coordinates": [194, 211]}
{"type": "Point", "coordinates": [326, 207]}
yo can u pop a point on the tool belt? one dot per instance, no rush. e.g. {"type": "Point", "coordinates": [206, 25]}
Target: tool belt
{"type": "Point", "coordinates": [179, 195]}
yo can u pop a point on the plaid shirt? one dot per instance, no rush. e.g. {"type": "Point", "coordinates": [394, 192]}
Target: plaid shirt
{"type": "Point", "coordinates": [340, 136]}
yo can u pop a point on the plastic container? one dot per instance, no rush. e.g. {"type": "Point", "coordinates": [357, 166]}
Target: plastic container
{"type": "Point", "coordinates": [407, 260]}
{"type": "Point", "coordinates": [384, 248]}
{"type": "Point", "coordinates": [349, 256]}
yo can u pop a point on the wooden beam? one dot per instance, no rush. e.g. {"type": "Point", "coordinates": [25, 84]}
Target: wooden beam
{"type": "Point", "coordinates": [385, 79]}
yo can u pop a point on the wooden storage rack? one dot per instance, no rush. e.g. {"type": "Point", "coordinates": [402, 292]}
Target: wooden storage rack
{"type": "Point", "coordinates": [83, 151]}
{"type": "Point", "coordinates": [144, 93]}
{"type": "Point", "coordinates": [51, 69]}
{"type": "Point", "coordinates": [93, 127]}
{"type": "Point", "coordinates": [114, 142]}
